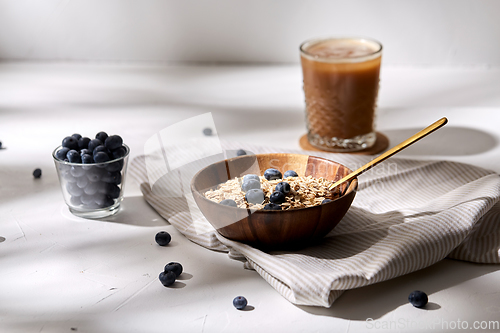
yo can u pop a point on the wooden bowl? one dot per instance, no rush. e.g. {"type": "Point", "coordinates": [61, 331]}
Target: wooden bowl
{"type": "Point", "coordinates": [273, 230]}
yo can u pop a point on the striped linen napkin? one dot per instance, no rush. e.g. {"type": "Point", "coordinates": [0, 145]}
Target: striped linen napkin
{"type": "Point", "coordinates": [407, 215]}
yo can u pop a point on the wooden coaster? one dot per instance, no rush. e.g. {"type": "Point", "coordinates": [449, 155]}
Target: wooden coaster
{"type": "Point", "coordinates": [380, 145]}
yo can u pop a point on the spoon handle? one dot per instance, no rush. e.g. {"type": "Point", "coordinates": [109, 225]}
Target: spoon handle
{"type": "Point", "coordinates": [396, 149]}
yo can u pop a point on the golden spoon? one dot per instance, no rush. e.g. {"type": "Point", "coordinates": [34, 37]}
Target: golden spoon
{"type": "Point", "coordinates": [426, 131]}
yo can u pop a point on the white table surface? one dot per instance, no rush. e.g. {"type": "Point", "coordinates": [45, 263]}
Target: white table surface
{"type": "Point", "coordinates": [60, 273]}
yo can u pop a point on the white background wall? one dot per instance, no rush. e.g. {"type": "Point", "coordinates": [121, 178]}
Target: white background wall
{"type": "Point", "coordinates": [414, 32]}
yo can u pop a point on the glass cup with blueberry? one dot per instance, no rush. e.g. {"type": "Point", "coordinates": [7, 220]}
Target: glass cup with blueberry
{"type": "Point", "coordinates": [92, 173]}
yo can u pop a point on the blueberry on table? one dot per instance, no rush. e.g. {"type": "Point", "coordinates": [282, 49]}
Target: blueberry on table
{"type": "Point", "coordinates": [61, 153]}
{"type": "Point", "coordinates": [70, 142]}
{"type": "Point", "coordinates": [250, 184]}
{"type": "Point", "coordinates": [93, 144]}
{"type": "Point", "coordinates": [113, 142]}
{"type": "Point", "coordinates": [241, 152]}
{"type": "Point", "coordinates": [37, 173]}
{"type": "Point", "coordinates": [101, 136]}
{"type": "Point", "coordinates": [229, 202]}
{"type": "Point", "coordinates": [325, 201]}
{"type": "Point", "coordinates": [87, 159]}
{"type": "Point", "coordinates": [418, 298]}
{"type": "Point", "coordinates": [76, 136]}
{"type": "Point", "coordinates": [283, 187]}
{"type": "Point", "coordinates": [163, 238]}
{"type": "Point", "coordinates": [272, 174]}
{"type": "Point", "coordinates": [101, 157]}
{"type": "Point", "coordinates": [0, 144]}
{"type": "Point", "coordinates": [167, 278]}
{"type": "Point", "coordinates": [240, 302]}
{"type": "Point", "coordinates": [174, 267]}
{"type": "Point", "coordinates": [277, 197]}
{"type": "Point", "coordinates": [290, 173]}
{"type": "Point", "coordinates": [83, 142]}
{"type": "Point", "coordinates": [250, 176]}
{"type": "Point", "coordinates": [254, 196]}
{"type": "Point", "coordinates": [272, 206]}
{"type": "Point", "coordinates": [73, 156]}
{"type": "Point", "coordinates": [207, 131]}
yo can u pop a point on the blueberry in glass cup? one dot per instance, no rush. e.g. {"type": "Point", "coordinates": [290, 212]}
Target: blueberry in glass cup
{"type": "Point", "coordinates": [92, 189]}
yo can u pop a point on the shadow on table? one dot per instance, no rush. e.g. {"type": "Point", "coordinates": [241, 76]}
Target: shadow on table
{"type": "Point", "coordinates": [376, 300]}
{"type": "Point", "coordinates": [136, 211]}
{"type": "Point", "coordinates": [448, 141]}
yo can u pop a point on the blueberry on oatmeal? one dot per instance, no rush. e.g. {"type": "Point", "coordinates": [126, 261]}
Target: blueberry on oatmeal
{"type": "Point", "coordinates": [277, 197]}
{"type": "Point", "coordinates": [272, 174]}
{"type": "Point", "coordinates": [272, 206]}
{"type": "Point", "coordinates": [229, 202]}
{"type": "Point", "coordinates": [254, 196]}
{"type": "Point", "coordinates": [283, 187]}
{"type": "Point", "coordinates": [250, 184]}
{"type": "Point", "coordinates": [290, 173]}
{"type": "Point", "coordinates": [250, 176]}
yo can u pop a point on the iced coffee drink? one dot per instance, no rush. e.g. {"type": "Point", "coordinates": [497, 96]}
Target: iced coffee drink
{"type": "Point", "coordinates": [341, 80]}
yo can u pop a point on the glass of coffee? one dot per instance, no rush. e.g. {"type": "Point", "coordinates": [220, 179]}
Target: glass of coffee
{"type": "Point", "coordinates": [341, 81]}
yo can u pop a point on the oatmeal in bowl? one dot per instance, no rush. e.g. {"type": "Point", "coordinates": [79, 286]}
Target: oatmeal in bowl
{"type": "Point", "coordinates": [297, 192]}
{"type": "Point", "coordinates": [273, 201]}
